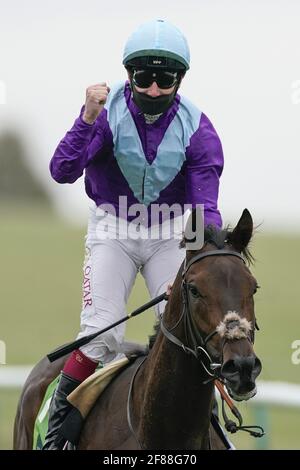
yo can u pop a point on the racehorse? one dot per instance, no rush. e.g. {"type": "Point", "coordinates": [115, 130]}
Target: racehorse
{"type": "Point", "coordinates": [165, 400]}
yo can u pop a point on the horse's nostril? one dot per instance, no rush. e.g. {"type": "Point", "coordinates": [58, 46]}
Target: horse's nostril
{"type": "Point", "coordinates": [258, 363]}
{"type": "Point", "coordinates": [229, 368]}
{"type": "Point", "coordinates": [248, 367]}
{"type": "Point", "coordinates": [257, 368]}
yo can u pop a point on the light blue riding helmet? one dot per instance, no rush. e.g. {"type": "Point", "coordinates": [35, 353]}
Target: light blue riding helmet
{"type": "Point", "coordinates": [157, 38]}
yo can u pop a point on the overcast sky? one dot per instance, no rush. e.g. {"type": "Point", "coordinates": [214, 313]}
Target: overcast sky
{"type": "Point", "coordinates": [245, 75]}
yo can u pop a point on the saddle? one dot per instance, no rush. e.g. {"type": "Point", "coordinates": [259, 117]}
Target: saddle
{"type": "Point", "coordinates": [86, 394]}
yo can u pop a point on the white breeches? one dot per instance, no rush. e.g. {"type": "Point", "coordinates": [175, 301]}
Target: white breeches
{"type": "Point", "coordinates": [110, 268]}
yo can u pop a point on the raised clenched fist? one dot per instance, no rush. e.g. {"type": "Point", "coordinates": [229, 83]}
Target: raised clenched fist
{"type": "Point", "coordinates": [96, 96]}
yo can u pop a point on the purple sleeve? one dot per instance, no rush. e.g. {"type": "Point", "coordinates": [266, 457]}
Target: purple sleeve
{"type": "Point", "coordinates": [77, 148]}
{"type": "Point", "coordinates": [204, 168]}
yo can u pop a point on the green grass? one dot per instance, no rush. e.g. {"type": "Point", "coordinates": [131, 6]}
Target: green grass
{"type": "Point", "coordinates": [40, 276]}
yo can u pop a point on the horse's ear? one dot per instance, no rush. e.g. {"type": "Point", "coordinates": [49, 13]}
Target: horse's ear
{"type": "Point", "coordinates": [242, 233]}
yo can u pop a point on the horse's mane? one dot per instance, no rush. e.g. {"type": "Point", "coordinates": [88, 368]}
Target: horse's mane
{"type": "Point", "coordinates": [153, 337]}
{"type": "Point", "coordinates": [214, 236]}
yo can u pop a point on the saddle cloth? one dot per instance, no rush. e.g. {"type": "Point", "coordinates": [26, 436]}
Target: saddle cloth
{"type": "Point", "coordinates": [85, 395]}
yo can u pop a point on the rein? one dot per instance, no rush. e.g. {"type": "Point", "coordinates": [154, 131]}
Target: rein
{"type": "Point", "coordinates": [230, 425]}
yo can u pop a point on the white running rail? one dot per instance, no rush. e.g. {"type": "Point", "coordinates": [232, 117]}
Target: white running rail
{"type": "Point", "coordinates": [271, 393]}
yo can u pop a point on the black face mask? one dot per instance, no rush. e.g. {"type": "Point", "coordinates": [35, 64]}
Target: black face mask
{"type": "Point", "coordinates": [153, 106]}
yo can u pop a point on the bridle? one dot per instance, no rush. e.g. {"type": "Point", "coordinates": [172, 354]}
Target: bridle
{"type": "Point", "coordinates": [198, 348]}
{"type": "Point", "coordinates": [196, 342]}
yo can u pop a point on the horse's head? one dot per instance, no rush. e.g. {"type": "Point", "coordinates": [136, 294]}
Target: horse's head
{"type": "Point", "coordinates": [218, 317]}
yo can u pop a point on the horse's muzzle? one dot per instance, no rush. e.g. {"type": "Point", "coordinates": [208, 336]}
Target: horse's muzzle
{"type": "Point", "coordinates": [240, 374]}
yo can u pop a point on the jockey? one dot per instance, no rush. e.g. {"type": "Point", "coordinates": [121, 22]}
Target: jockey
{"type": "Point", "coordinates": [142, 146]}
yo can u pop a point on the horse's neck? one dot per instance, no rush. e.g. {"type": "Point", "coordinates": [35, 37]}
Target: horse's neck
{"type": "Point", "coordinates": [175, 404]}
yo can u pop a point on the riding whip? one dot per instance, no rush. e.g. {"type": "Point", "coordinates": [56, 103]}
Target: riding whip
{"type": "Point", "coordinates": [53, 356]}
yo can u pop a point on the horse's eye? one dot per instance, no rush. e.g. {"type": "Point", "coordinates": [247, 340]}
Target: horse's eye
{"type": "Point", "coordinates": [194, 291]}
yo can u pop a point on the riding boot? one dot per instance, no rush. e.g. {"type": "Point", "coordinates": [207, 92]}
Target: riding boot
{"type": "Point", "coordinates": [58, 411]}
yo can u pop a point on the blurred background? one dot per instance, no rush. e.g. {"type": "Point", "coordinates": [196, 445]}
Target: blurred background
{"type": "Point", "coordinates": [245, 75]}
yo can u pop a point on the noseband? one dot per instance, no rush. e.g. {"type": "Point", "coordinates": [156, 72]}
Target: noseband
{"type": "Point", "coordinates": [197, 343]}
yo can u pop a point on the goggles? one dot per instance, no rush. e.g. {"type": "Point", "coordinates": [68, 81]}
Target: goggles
{"type": "Point", "coordinates": [163, 78]}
